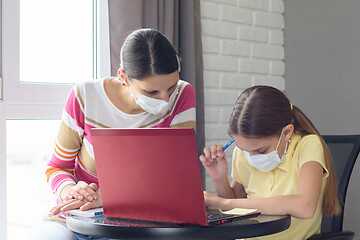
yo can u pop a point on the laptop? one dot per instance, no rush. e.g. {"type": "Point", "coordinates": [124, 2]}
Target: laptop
{"type": "Point", "coordinates": [152, 174]}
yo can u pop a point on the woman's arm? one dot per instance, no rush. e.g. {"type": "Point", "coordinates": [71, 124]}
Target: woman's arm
{"type": "Point", "coordinates": [301, 205]}
{"type": "Point", "coordinates": [68, 143]}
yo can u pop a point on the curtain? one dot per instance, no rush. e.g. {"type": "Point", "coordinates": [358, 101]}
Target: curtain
{"type": "Point", "coordinates": [179, 21]}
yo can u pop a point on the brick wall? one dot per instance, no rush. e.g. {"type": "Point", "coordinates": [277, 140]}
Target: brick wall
{"type": "Point", "coordinates": [242, 46]}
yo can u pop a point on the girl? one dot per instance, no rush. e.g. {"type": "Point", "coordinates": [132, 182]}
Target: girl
{"type": "Point", "coordinates": [281, 164]}
{"type": "Point", "coordinates": [147, 93]}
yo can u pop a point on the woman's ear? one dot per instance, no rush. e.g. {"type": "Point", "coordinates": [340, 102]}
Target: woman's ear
{"type": "Point", "coordinates": [288, 131]}
{"type": "Point", "coordinates": [122, 76]}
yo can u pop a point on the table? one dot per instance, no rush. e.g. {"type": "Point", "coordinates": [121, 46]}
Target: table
{"type": "Point", "coordinates": [130, 229]}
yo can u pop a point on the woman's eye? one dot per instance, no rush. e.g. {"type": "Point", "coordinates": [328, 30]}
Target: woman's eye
{"type": "Point", "coordinates": [261, 152]}
{"type": "Point", "coordinates": [151, 93]}
{"type": "Point", "coordinates": [172, 88]}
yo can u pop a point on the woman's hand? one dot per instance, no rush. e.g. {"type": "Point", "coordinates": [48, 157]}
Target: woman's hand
{"type": "Point", "coordinates": [71, 204]}
{"type": "Point", "coordinates": [215, 163]}
{"type": "Point", "coordinates": [80, 191]}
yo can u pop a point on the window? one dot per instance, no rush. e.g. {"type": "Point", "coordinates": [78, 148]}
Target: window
{"type": "Point", "coordinates": [48, 46]}
{"type": "Point", "coordinates": [54, 42]}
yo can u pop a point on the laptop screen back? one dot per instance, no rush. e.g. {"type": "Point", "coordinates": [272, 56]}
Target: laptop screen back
{"type": "Point", "coordinates": [149, 174]}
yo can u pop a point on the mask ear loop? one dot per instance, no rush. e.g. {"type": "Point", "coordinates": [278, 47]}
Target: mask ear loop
{"type": "Point", "coordinates": [178, 61]}
{"type": "Point", "coordinates": [132, 93]}
{"type": "Point", "coordinates": [279, 139]}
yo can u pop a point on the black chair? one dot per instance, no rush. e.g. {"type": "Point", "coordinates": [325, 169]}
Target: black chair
{"type": "Point", "coordinates": [344, 150]}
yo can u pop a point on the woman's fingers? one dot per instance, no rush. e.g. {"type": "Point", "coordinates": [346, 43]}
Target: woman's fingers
{"type": "Point", "coordinates": [87, 206]}
{"type": "Point", "coordinates": [73, 205]}
{"type": "Point", "coordinates": [82, 190]}
{"type": "Point", "coordinates": [58, 208]}
{"type": "Point", "coordinates": [93, 186]}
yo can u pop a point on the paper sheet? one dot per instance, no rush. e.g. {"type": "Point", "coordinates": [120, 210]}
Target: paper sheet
{"type": "Point", "coordinates": [239, 211]}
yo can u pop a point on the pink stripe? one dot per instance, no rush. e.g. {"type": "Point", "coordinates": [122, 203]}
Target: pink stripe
{"type": "Point", "coordinates": [58, 180]}
{"type": "Point", "coordinates": [58, 163]}
{"type": "Point", "coordinates": [186, 100]}
{"type": "Point", "coordinates": [81, 175]}
{"type": "Point", "coordinates": [87, 134]}
{"type": "Point", "coordinates": [72, 107]}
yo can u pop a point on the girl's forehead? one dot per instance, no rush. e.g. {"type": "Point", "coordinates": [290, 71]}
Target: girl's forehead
{"type": "Point", "coordinates": [252, 143]}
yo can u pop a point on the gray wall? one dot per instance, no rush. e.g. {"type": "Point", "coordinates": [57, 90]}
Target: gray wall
{"type": "Point", "coordinates": [322, 60]}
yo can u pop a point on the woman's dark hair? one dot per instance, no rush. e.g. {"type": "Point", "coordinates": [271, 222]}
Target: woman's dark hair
{"type": "Point", "coordinates": [147, 52]}
{"type": "Point", "coordinates": [262, 111]}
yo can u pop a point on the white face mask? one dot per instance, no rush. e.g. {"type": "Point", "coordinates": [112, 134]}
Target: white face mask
{"type": "Point", "coordinates": [153, 105]}
{"type": "Point", "coordinates": [266, 162]}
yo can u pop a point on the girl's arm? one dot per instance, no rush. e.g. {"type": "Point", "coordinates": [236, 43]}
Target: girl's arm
{"type": "Point", "coordinates": [215, 163]}
{"type": "Point", "coordinates": [301, 205]}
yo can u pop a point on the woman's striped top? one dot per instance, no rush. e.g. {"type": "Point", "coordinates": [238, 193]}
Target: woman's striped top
{"type": "Point", "coordinates": [88, 107]}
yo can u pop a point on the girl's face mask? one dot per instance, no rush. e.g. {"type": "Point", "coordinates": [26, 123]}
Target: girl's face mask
{"type": "Point", "coordinates": [153, 105]}
{"type": "Point", "coordinates": [266, 162]}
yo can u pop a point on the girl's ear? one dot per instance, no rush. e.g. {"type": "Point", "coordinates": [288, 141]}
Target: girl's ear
{"type": "Point", "coordinates": [288, 131]}
{"type": "Point", "coordinates": [122, 76]}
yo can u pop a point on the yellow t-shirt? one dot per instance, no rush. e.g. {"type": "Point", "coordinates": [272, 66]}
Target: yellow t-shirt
{"type": "Point", "coordinates": [283, 180]}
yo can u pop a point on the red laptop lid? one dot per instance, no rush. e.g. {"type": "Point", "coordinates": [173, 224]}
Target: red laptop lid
{"type": "Point", "coordinates": [149, 174]}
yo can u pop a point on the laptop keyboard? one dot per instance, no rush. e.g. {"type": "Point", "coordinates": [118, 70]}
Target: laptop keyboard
{"type": "Point", "coordinates": [218, 216]}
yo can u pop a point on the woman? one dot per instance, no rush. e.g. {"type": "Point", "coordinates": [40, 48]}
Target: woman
{"type": "Point", "coordinates": [281, 164]}
{"type": "Point", "coordinates": [147, 93]}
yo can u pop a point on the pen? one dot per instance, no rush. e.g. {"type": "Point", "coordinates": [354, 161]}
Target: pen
{"type": "Point", "coordinates": [228, 145]}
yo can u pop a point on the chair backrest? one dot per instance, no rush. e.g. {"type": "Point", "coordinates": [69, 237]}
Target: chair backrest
{"type": "Point", "coordinates": [344, 150]}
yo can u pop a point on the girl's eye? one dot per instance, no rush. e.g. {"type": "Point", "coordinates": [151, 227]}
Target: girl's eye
{"type": "Point", "coordinates": [261, 152]}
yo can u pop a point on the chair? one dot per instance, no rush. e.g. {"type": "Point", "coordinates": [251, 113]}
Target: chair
{"type": "Point", "coordinates": [344, 150]}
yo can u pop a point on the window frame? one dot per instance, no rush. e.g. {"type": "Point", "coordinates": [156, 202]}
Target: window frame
{"type": "Point", "coordinates": [24, 100]}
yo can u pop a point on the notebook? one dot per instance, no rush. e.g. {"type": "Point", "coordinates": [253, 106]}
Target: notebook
{"type": "Point", "coordinates": [151, 174]}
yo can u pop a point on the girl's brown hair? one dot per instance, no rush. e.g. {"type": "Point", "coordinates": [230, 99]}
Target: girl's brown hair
{"type": "Point", "coordinates": [262, 111]}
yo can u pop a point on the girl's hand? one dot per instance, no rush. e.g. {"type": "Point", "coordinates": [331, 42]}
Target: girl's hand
{"type": "Point", "coordinates": [215, 163]}
{"type": "Point", "coordinates": [71, 204]}
{"type": "Point", "coordinates": [212, 201]}
{"type": "Point", "coordinates": [80, 191]}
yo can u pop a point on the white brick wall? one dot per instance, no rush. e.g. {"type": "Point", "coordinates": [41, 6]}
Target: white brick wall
{"type": "Point", "coordinates": [242, 46]}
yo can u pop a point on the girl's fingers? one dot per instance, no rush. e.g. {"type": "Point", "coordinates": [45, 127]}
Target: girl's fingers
{"type": "Point", "coordinates": [219, 149]}
{"type": "Point", "coordinates": [214, 151]}
{"type": "Point", "coordinates": [205, 161]}
{"type": "Point", "coordinates": [207, 152]}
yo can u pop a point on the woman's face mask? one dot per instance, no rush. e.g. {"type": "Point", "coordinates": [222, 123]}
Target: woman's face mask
{"type": "Point", "coordinates": [266, 162]}
{"type": "Point", "coordinates": [153, 105]}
